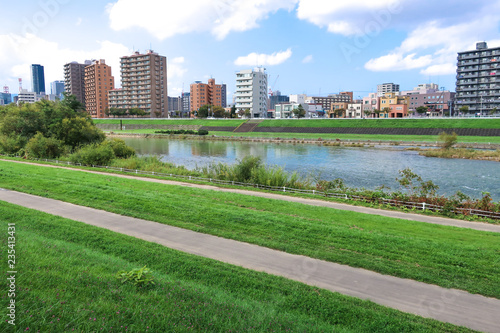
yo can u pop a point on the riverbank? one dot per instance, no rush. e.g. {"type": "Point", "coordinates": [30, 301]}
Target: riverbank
{"type": "Point", "coordinates": [298, 140]}
{"type": "Point", "coordinates": [470, 154]}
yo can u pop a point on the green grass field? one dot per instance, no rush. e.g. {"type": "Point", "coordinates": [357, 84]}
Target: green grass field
{"type": "Point", "coordinates": [204, 122]}
{"type": "Point", "coordinates": [66, 283]}
{"type": "Point", "coordinates": [384, 123]}
{"type": "Point", "coordinates": [450, 257]}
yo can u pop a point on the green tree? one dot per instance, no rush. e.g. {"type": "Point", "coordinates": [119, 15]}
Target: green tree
{"type": "Point", "coordinates": [42, 147]}
{"type": "Point", "coordinates": [203, 111]}
{"type": "Point", "coordinates": [218, 111]}
{"type": "Point", "coordinates": [79, 131]}
{"type": "Point", "coordinates": [72, 102]}
{"type": "Point", "coordinates": [464, 109]}
{"type": "Point", "coordinates": [248, 113]}
{"type": "Point", "coordinates": [299, 112]}
{"type": "Point", "coordinates": [339, 112]}
{"type": "Point", "coordinates": [377, 112]}
{"type": "Point", "coordinates": [232, 113]}
{"type": "Point", "coordinates": [421, 109]}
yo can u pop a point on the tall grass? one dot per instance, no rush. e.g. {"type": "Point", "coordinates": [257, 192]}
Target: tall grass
{"type": "Point", "coordinates": [153, 164]}
{"type": "Point", "coordinates": [251, 170]}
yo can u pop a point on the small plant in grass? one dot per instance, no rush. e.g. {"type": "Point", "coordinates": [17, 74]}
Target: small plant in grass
{"type": "Point", "coordinates": [139, 277]}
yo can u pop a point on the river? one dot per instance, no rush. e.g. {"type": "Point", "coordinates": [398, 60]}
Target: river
{"type": "Point", "coordinates": [367, 167]}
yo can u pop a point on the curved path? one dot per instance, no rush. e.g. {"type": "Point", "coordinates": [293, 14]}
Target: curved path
{"type": "Point", "coordinates": [449, 305]}
{"type": "Point", "coordinates": [313, 202]}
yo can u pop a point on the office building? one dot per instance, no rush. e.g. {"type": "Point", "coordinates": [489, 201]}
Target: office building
{"type": "Point", "coordinates": [37, 79]}
{"type": "Point", "coordinates": [144, 84]}
{"type": "Point", "coordinates": [57, 88]}
{"type": "Point", "coordinates": [387, 88]}
{"type": "Point", "coordinates": [74, 79]}
{"type": "Point", "coordinates": [186, 102]}
{"type": "Point", "coordinates": [478, 80]}
{"type": "Point", "coordinates": [277, 98]}
{"type": "Point", "coordinates": [98, 82]}
{"type": "Point", "coordinates": [251, 92]}
{"type": "Point", "coordinates": [207, 94]}
{"type": "Point", "coordinates": [26, 96]}
{"type": "Point", "coordinates": [5, 98]}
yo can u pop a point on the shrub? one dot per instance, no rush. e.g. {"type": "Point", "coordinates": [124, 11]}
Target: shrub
{"type": "Point", "coordinates": [42, 147]}
{"type": "Point", "coordinates": [202, 132]}
{"type": "Point", "coordinates": [93, 155]}
{"type": "Point", "coordinates": [448, 140]}
{"type": "Point", "coordinates": [120, 148]}
{"type": "Point", "coordinates": [11, 144]}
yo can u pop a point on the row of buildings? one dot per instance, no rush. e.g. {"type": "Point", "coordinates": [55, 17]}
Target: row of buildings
{"type": "Point", "coordinates": [144, 86]}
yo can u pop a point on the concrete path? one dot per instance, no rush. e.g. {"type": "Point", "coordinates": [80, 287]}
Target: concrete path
{"type": "Point", "coordinates": [447, 305]}
{"type": "Point", "coordinates": [313, 202]}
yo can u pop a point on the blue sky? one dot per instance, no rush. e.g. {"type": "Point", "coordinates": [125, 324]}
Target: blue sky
{"type": "Point", "coordinates": [315, 46]}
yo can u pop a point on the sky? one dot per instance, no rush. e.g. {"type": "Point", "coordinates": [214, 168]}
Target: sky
{"type": "Point", "coordinates": [316, 47]}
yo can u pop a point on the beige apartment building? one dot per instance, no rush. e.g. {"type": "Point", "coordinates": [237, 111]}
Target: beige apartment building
{"type": "Point", "coordinates": [144, 84]}
{"type": "Point", "coordinates": [98, 82]}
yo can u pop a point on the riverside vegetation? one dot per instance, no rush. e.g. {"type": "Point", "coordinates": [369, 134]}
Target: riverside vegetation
{"type": "Point", "coordinates": [60, 130]}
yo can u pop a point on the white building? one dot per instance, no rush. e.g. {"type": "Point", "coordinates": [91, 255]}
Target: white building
{"type": "Point", "coordinates": [387, 88]}
{"type": "Point", "coordinates": [251, 92]}
{"type": "Point", "coordinates": [26, 96]}
{"type": "Point", "coordinates": [355, 110]}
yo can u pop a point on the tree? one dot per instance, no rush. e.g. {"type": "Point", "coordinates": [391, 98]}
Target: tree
{"type": "Point", "coordinates": [421, 109]}
{"type": "Point", "coordinates": [493, 111]}
{"type": "Point", "coordinates": [248, 113]}
{"type": "Point", "coordinates": [464, 109]}
{"type": "Point", "coordinates": [72, 102]}
{"type": "Point", "coordinates": [218, 111]}
{"type": "Point", "coordinates": [299, 112]}
{"type": "Point", "coordinates": [203, 111]}
{"type": "Point", "coordinates": [339, 112]}
{"type": "Point", "coordinates": [232, 113]}
{"type": "Point", "coordinates": [377, 112]}
{"type": "Point", "coordinates": [241, 113]}
{"type": "Point", "coordinates": [368, 112]}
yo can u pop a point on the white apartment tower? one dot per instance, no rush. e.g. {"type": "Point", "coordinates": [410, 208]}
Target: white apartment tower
{"type": "Point", "coordinates": [251, 92]}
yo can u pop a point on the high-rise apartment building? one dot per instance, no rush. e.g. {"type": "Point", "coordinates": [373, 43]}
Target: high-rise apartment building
{"type": "Point", "coordinates": [37, 79]}
{"type": "Point", "coordinates": [186, 102]}
{"type": "Point", "coordinates": [251, 92]}
{"type": "Point", "coordinates": [478, 79]}
{"type": "Point", "coordinates": [387, 88]}
{"type": "Point", "coordinates": [98, 82]}
{"type": "Point", "coordinates": [144, 84]}
{"type": "Point", "coordinates": [74, 79]}
{"type": "Point", "coordinates": [211, 94]}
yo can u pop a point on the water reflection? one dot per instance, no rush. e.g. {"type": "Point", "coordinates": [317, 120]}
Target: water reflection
{"type": "Point", "coordinates": [367, 167]}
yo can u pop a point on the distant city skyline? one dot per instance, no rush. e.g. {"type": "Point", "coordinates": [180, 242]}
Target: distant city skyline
{"type": "Point", "coordinates": [315, 48]}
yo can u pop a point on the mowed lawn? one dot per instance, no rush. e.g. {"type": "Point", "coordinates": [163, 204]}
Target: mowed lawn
{"type": "Point", "coordinates": [66, 283]}
{"type": "Point", "coordinates": [446, 256]}
{"type": "Point", "coordinates": [385, 123]}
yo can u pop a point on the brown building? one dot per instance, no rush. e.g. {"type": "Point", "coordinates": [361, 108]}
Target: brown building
{"type": "Point", "coordinates": [144, 84]}
{"type": "Point", "coordinates": [74, 79]}
{"type": "Point", "coordinates": [211, 94]}
{"type": "Point", "coordinates": [98, 81]}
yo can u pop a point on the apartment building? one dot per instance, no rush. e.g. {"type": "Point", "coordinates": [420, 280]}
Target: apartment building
{"type": "Point", "coordinates": [251, 92]}
{"type": "Point", "coordinates": [98, 82]}
{"type": "Point", "coordinates": [207, 94]}
{"type": "Point", "coordinates": [387, 88]}
{"type": "Point", "coordinates": [74, 79]}
{"type": "Point", "coordinates": [326, 102]}
{"type": "Point", "coordinates": [393, 105]}
{"type": "Point", "coordinates": [144, 84]}
{"type": "Point", "coordinates": [478, 79]}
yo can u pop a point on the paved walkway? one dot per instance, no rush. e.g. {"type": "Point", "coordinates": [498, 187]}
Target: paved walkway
{"type": "Point", "coordinates": [447, 305]}
{"type": "Point", "coordinates": [313, 202]}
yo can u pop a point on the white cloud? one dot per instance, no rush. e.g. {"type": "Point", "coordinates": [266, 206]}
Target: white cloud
{"type": "Point", "coordinates": [17, 53]}
{"type": "Point", "coordinates": [164, 19]}
{"type": "Point", "coordinates": [254, 59]}
{"type": "Point", "coordinates": [307, 59]}
{"type": "Point", "coordinates": [175, 68]}
{"type": "Point", "coordinates": [433, 46]}
{"type": "Point", "coordinates": [396, 62]}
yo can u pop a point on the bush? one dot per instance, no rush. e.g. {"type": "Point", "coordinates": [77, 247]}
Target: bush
{"type": "Point", "coordinates": [42, 147]}
{"type": "Point", "coordinates": [202, 132]}
{"type": "Point", "coordinates": [448, 140]}
{"type": "Point", "coordinates": [120, 148]}
{"type": "Point", "coordinates": [93, 155]}
{"type": "Point", "coordinates": [11, 144]}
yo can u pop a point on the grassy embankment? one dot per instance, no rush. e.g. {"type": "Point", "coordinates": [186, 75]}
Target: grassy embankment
{"type": "Point", "coordinates": [66, 283]}
{"type": "Point", "coordinates": [364, 123]}
{"type": "Point", "coordinates": [450, 257]}
{"type": "Point", "coordinates": [203, 122]}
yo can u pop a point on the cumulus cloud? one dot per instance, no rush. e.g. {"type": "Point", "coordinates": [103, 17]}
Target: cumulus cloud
{"type": "Point", "coordinates": [175, 68]}
{"type": "Point", "coordinates": [255, 59]}
{"type": "Point", "coordinates": [433, 46]}
{"type": "Point", "coordinates": [164, 19]}
{"type": "Point", "coordinates": [17, 53]}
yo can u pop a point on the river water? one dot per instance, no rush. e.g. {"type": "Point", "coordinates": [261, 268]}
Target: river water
{"type": "Point", "coordinates": [368, 167]}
